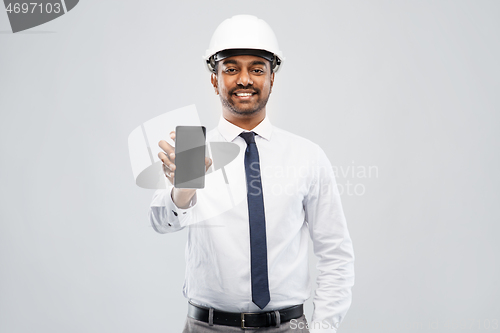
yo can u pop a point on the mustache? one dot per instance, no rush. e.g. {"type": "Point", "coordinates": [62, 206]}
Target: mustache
{"type": "Point", "coordinates": [249, 87]}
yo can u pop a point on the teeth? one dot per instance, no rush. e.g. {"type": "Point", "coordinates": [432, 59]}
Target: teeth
{"type": "Point", "coordinates": [244, 94]}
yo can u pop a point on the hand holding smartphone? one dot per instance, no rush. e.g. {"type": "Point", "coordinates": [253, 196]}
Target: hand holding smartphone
{"type": "Point", "coordinates": [192, 164]}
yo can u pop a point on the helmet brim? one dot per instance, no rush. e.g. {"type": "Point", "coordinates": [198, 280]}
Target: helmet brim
{"type": "Point", "coordinates": [272, 58]}
{"type": "Point", "coordinates": [236, 52]}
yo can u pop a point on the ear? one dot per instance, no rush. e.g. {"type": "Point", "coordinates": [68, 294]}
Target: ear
{"type": "Point", "coordinates": [272, 82]}
{"type": "Point", "coordinates": [213, 79]}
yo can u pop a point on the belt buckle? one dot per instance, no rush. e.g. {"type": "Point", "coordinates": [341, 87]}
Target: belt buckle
{"type": "Point", "coordinates": [243, 322]}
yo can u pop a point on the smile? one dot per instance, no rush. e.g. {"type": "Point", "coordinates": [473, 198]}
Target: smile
{"type": "Point", "coordinates": [244, 94]}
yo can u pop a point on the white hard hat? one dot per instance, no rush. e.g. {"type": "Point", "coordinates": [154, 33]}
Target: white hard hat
{"type": "Point", "coordinates": [244, 34]}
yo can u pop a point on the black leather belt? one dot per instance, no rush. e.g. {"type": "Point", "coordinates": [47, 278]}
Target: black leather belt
{"type": "Point", "coordinates": [245, 320]}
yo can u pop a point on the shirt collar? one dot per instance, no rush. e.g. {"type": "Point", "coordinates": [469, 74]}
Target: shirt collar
{"type": "Point", "coordinates": [230, 131]}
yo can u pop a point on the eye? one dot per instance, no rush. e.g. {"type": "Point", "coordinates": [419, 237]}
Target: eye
{"type": "Point", "coordinates": [258, 71]}
{"type": "Point", "coordinates": [230, 70]}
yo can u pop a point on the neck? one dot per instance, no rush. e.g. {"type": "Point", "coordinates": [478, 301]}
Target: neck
{"type": "Point", "coordinates": [247, 122]}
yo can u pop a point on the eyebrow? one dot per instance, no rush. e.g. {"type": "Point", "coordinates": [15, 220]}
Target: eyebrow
{"type": "Point", "coordinates": [225, 62]}
{"type": "Point", "coordinates": [234, 62]}
{"type": "Point", "coordinates": [258, 62]}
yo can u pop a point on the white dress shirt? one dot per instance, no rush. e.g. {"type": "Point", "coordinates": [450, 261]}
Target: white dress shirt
{"type": "Point", "coordinates": [301, 200]}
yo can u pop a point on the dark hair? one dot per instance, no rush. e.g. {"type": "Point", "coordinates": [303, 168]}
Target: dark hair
{"type": "Point", "coordinates": [216, 67]}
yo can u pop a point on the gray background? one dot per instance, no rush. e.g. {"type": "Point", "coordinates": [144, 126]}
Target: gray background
{"type": "Point", "coordinates": [408, 87]}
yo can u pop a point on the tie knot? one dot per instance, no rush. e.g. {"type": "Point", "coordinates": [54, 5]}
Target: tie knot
{"type": "Point", "coordinates": [249, 137]}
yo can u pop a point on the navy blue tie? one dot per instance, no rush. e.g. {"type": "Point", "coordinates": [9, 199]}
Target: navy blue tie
{"type": "Point", "coordinates": [257, 219]}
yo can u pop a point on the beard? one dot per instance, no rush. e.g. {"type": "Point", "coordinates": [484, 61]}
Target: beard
{"type": "Point", "coordinates": [250, 109]}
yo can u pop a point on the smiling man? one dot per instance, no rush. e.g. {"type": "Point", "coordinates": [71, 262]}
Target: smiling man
{"type": "Point", "coordinates": [250, 270]}
{"type": "Point", "coordinates": [244, 83]}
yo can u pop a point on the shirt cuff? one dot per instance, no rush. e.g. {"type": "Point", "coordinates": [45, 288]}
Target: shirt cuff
{"type": "Point", "coordinates": [178, 217]}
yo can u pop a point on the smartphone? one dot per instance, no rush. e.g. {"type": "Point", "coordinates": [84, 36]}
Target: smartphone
{"type": "Point", "coordinates": [190, 157]}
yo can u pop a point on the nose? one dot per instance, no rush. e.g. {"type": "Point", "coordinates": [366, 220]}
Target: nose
{"type": "Point", "coordinates": [244, 78]}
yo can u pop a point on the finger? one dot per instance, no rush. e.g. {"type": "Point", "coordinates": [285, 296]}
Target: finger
{"type": "Point", "coordinates": [164, 158]}
{"type": "Point", "coordinates": [167, 148]}
{"type": "Point", "coordinates": [208, 163]}
{"type": "Point", "coordinates": [171, 156]}
{"type": "Point", "coordinates": [172, 135]}
{"type": "Point", "coordinates": [168, 173]}
{"type": "Point", "coordinates": [166, 161]}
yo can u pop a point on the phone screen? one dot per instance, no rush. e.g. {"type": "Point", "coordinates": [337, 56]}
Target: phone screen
{"type": "Point", "coordinates": [190, 157]}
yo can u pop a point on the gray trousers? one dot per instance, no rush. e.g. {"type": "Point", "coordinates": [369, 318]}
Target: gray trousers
{"type": "Point", "coordinates": [294, 326]}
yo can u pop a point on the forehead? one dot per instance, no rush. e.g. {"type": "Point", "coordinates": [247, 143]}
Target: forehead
{"type": "Point", "coordinates": [245, 60]}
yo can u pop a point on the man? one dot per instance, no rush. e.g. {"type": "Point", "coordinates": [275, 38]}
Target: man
{"type": "Point", "coordinates": [247, 265]}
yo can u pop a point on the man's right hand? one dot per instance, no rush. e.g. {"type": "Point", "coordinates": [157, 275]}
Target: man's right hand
{"type": "Point", "coordinates": [181, 196]}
